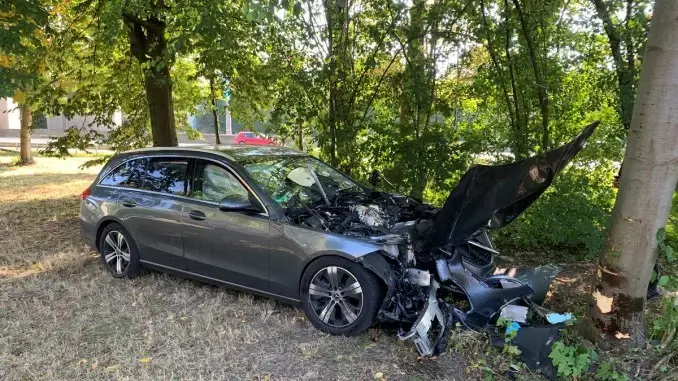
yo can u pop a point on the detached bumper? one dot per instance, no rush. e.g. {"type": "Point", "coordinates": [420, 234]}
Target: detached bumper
{"type": "Point", "coordinates": [431, 330]}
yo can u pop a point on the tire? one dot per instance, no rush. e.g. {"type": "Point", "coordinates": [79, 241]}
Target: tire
{"type": "Point", "coordinates": [127, 260]}
{"type": "Point", "coordinates": [363, 309]}
{"type": "Point", "coordinates": [241, 142]}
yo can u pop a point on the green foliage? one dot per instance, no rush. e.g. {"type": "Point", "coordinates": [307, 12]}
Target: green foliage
{"type": "Point", "coordinates": [571, 361]}
{"type": "Point", "coordinates": [672, 224]}
{"type": "Point", "coordinates": [667, 256]}
{"type": "Point", "coordinates": [571, 216]}
{"type": "Point", "coordinates": [606, 372]}
{"type": "Point", "coordinates": [665, 325]}
{"type": "Point", "coordinates": [22, 39]}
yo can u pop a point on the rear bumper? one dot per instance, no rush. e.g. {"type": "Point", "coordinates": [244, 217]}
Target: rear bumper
{"type": "Point", "coordinates": [88, 233]}
{"type": "Point", "coordinates": [89, 240]}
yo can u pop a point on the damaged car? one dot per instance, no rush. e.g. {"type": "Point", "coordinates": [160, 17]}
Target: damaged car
{"type": "Point", "coordinates": [280, 223]}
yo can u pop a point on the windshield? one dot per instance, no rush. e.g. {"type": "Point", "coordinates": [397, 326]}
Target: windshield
{"type": "Point", "coordinates": [287, 177]}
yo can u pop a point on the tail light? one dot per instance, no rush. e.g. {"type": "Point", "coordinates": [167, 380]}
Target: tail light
{"type": "Point", "coordinates": [85, 194]}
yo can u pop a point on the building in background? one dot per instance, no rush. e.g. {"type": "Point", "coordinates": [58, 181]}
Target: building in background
{"type": "Point", "coordinates": [10, 120]}
{"type": "Point", "coordinates": [202, 121]}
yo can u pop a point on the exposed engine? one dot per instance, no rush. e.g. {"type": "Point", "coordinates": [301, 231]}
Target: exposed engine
{"type": "Point", "coordinates": [392, 220]}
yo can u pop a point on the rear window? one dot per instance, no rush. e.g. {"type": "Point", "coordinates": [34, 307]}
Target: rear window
{"type": "Point", "coordinates": [127, 175]}
{"type": "Point", "coordinates": [166, 175]}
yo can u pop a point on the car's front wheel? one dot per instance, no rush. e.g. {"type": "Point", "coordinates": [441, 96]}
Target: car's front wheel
{"type": "Point", "coordinates": [118, 252]}
{"type": "Point", "coordinates": [340, 297]}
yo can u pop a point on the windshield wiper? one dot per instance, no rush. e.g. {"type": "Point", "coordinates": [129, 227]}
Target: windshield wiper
{"type": "Point", "coordinates": [320, 187]}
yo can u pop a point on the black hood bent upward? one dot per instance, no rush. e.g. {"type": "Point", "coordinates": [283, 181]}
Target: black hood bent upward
{"type": "Point", "coordinates": [498, 194]}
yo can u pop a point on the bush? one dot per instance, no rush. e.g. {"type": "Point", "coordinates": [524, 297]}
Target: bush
{"type": "Point", "coordinates": [571, 215]}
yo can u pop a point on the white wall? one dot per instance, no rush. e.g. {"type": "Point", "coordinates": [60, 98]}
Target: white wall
{"type": "Point", "coordinates": [10, 116]}
{"type": "Point", "coordinates": [11, 120]}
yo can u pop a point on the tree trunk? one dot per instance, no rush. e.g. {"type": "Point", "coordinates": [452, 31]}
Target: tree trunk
{"type": "Point", "coordinates": [149, 46]}
{"type": "Point", "coordinates": [300, 135]}
{"type": "Point", "coordinates": [646, 189]}
{"type": "Point", "coordinates": [520, 131]}
{"type": "Point", "coordinates": [159, 97]}
{"type": "Point", "coordinates": [26, 156]}
{"type": "Point", "coordinates": [540, 82]}
{"type": "Point", "coordinates": [215, 115]}
{"type": "Point", "coordinates": [625, 70]}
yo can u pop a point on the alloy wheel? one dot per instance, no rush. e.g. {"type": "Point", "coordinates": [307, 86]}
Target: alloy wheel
{"type": "Point", "coordinates": [336, 296]}
{"type": "Point", "coordinates": [116, 252]}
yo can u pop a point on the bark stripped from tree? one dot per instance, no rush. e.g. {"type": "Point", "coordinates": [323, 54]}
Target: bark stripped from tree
{"type": "Point", "coordinates": [148, 45]}
{"type": "Point", "coordinates": [26, 156]}
{"type": "Point", "coordinates": [646, 189]}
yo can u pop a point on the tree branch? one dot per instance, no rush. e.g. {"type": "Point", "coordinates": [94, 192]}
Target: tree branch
{"type": "Point", "coordinates": [541, 84]}
{"type": "Point", "coordinates": [378, 85]}
{"type": "Point", "coordinates": [610, 29]}
{"type": "Point", "coordinates": [495, 62]}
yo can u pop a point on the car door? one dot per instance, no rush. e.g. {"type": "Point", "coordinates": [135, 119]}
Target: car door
{"type": "Point", "coordinates": [251, 138]}
{"type": "Point", "coordinates": [230, 246]}
{"type": "Point", "coordinates": [151, 209]}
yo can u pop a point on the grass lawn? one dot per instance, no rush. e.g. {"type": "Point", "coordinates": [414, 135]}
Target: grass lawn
{"type": "Point", "coordinates": [62, 317]}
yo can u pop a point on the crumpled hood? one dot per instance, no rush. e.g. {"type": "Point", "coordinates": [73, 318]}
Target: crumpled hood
{"type": "Point", "coordinates": [498, 193]}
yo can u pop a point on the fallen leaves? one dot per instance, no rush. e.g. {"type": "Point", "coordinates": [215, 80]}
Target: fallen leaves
{"type": "Point", "coordinates": [146, 360]}
{"type": "Point", "coordinates": [113, 368]}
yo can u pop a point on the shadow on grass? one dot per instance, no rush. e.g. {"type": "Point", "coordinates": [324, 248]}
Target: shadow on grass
{"type": "Point", "coordinates": [40, 180]}
{"type": "Point", "coordinates": [38, 232]}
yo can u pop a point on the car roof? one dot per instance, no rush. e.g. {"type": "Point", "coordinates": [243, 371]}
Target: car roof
{"type": "Point", "coordinates": [234, 152]}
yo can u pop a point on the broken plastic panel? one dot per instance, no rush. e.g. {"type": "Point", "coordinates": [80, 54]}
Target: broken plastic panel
{"type": "Point", "coordinates": [428, 330]}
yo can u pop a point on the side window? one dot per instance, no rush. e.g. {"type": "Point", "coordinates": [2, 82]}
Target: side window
{"type": "Point", "coordinates": [214, 183]}
{"type": "Point", "coordinates": [166, 175]}
{"type": "Point", "coordinates": [127, 175]}
{"type": "Point", "coordinates": [249, 135]}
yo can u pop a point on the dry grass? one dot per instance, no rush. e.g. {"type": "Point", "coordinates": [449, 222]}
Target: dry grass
{"type": "Point", "coordinates": [62, 317]}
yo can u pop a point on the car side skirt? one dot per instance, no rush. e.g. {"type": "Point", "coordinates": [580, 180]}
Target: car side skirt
{"type": "Point", "coordinates": [217, 282]}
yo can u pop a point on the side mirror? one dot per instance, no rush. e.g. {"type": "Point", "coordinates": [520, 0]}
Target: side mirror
{"type": "Point", "coordinates": [238, 204]}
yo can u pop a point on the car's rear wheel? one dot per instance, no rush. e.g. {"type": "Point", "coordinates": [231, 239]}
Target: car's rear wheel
{"type": "Point", "coordinates": [340, 297]}
{"type": "Point", "coordinates": [241, 142]}
{"type": "Point", "coordinates": [118, 252]}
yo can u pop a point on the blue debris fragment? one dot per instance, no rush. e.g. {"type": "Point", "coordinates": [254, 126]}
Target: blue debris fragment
{"type": "Point", "coordinates": [512, 327]}
{"type": "Point", "coordinates": [555, 318]}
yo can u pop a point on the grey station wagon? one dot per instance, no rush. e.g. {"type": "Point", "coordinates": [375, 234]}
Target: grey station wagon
{"type": "Point", "coordinates": [277, 222]}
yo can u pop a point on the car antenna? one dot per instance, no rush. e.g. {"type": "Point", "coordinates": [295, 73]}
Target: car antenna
{"type": "Point", "coordinates": [317, 182]}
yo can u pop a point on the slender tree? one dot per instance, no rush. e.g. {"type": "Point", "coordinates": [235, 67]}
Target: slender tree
{"type": "Point", "coordinates": [26, 156]}
{"type": "Point", "coordinates": [215, 113]}
{"type": "Point", "coordinates": [645, 193]}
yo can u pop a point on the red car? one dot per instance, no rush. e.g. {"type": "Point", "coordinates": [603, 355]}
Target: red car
{"type": "Point", "coordinates": [245, 137]}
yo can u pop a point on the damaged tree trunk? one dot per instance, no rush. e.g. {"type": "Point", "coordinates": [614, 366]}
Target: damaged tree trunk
{"type": "Point", "coordinates": [645, 193]}
{"type": "Point", "coordinates": [26, 156]}
{"type": "Point", "coordinates": [149, 46]}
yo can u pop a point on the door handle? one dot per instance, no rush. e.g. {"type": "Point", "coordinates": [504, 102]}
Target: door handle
{"type": "Point", "coordinates": [197, 215]}
{"type": "Point", "coordinates": [129, 203]}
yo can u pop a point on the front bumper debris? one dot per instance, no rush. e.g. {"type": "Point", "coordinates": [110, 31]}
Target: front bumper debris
{"type": "Point", "coordinates": [430, 328]}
